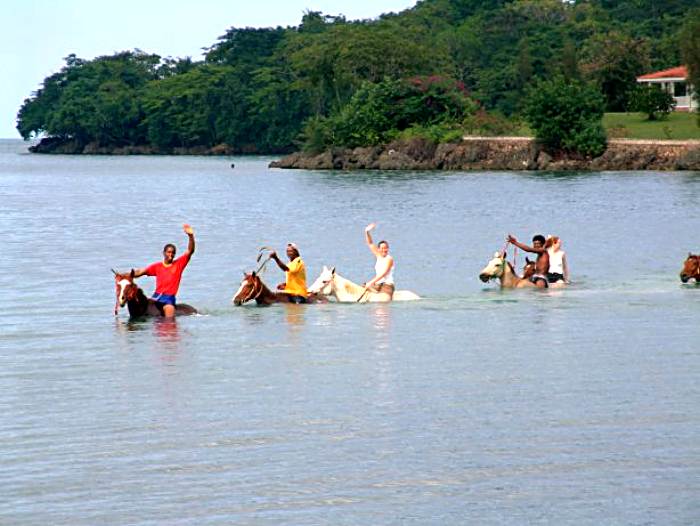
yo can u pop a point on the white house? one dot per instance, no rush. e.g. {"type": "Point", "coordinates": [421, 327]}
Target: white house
{"type": "Point", "coordinates": [674, 81]}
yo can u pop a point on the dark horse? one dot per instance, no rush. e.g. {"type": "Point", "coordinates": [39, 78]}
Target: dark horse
{"type": "Point", "coordinates": [131, 295]}
{"type": "Point", "coordinates": [252, 288]}
{"type": "Point", "coordinates": [691, 269]}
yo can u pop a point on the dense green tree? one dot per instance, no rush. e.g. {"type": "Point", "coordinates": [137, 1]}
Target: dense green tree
{"type": "Point", "coordinates": [377, 112]}
{"type": "Point", "coordinates": [567, 115]}
{"type": "Point", "coordinates": [614, 61]}
{"type": "Point", "coordinates": [690, 43]}
{"type": "Point", "coordinates": [256, 87]}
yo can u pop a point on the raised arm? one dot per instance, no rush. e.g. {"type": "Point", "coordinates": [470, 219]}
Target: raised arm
{"type": "Point", "coordinates": [280, 264]}
{"type": "Point", "coordinates": [368, 239]}
{"type": "Point", "coordinates": [190, 234]}
{"type": "Point", "coordinates": [524, 247]}
{"type": "Point", "coordinates": [139, 272]}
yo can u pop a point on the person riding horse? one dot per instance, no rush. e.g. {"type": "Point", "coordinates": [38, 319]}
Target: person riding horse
{"type": "Point", "coordinates": [168, 274]}
{"type": "Point", "coordinates": [539, 278]}
{"type": "Point", "coordinates": [295, 275]}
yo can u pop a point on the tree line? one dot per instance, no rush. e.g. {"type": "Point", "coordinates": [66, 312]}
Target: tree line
{"type": "Point", "coordinates": [437, 69]}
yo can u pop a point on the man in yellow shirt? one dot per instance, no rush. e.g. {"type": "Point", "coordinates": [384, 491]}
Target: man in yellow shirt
{"type": "Point", "coordinates": [295, 275]}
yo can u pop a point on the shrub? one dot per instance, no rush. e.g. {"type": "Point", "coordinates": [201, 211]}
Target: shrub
{"type": "Point", "coordinates": [437, 133]}
{"type": "Point", "coordinates": [315, 135]}
{"type": "Point", "coordinates": [488, 124]}
{"type": "Point", "coordinates": [567, 115]}
{"type": "Point", "coordinates": [652, 100]}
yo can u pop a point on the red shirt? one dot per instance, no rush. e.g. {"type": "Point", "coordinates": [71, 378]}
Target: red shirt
{"type": "Point", "coordinates": [168, 276]}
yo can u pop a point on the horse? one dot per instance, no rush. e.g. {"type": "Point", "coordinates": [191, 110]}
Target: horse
{"type": "Point", "coordinates": [330, 283]}
{"type": "Point", "coordinates": [691, 269]}
{"type": "Point", "coordinates": [131, 295]}
{"type": "Point", "coordinates": [253, 288]}
{"type": "Point", "coordinates": [499, 268]}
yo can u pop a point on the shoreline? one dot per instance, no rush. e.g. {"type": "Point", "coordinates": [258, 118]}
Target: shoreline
{"type": "Point", "coordinates": [471, 153]}
{"type": "Point", "coordinates": [500, 153]}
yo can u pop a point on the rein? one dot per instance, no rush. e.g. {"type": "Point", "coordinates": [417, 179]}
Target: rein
{"type": "Point", "coordinates": [364, 292]}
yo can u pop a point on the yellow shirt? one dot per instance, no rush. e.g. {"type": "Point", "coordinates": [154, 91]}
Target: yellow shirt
{"type": "Point", "coordinates": [296, 278]}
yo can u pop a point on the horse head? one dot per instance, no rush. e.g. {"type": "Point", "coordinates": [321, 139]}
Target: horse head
{"type": "Point", "coordinates": [691, 268]}
{"type": "Point", "coordinates": [126, 289]}
{"type": "Point", "coordinates": [494, 268]}
{"type": "Point", "coordinates": [324, 283]}
{"type": "Point", "coordinates": [529, 268]}
{"type": "Point", "coordinates": [250, 288]}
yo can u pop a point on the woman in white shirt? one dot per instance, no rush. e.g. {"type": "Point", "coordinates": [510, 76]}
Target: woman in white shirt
{"type": "Point", "coordinates": [558, 267]}
{"type": "Point", "coordinates": [383, 280]}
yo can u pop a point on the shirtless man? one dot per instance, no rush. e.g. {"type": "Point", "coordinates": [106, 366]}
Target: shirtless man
{"type": "Point", "coordinates": [539, 278]}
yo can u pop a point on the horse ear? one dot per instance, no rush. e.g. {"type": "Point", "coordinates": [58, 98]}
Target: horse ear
{"type": "Point", "coordinates": [333, 270]}
{"type": "Point", "coordinates": [527, 260]}
{"type": "Point", "coordinates": [253, 274]}
{"type": "Point", "coordinates": [114, 272]}
{"type": "Point", "coordinates": [131, 274]}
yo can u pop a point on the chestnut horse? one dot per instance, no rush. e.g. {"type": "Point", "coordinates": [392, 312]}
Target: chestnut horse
{"type": "Point", "coordinates": [691, 269]}
{"type": "Point", "coordinates": [131, 295]}
{"type": "Point", "coordinates": [253, 288]}
{"type": "Point", "coordinates": [499, 268]}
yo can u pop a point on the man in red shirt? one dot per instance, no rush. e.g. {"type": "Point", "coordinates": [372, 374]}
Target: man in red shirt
{"type": "Point", "coordinates": [168, 274]}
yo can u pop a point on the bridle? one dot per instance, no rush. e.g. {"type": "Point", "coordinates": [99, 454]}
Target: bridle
{"type": "Point", "coordinates": [253, 295]}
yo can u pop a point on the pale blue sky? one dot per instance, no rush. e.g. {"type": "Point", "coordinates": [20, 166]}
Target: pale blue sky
{"type": "Point", "coordinates": [35, 35]}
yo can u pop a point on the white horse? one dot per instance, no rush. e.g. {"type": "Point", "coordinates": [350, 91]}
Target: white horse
{"type": "Point", "coordinates": [329, 283]}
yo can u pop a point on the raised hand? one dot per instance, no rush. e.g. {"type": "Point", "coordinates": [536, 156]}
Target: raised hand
{"type": "Point", "coordinates": [188, 229]}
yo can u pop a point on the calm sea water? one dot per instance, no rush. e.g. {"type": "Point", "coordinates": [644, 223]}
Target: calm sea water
{"type": "Point", "coordinates": [471, 406]}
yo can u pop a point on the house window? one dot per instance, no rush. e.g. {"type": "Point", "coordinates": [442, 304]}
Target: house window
{"type": "Point", "coordinates": [680, 89]}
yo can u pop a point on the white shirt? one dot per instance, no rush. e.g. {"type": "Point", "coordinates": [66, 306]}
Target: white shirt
{"type": "Point", "coordinates": [380, 266]}
{"type": "Point", "coordinates": [556, 261]}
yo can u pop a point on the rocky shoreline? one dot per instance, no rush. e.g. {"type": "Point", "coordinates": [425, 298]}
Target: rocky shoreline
{"type": "Point", "coordinates": [472, 153]}
{"type": "Point", "coordinates": [56, 145]}
{"type": "Point", "coordinates": [499, 153]}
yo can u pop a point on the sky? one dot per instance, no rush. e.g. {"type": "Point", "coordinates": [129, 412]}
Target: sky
{"type": "Point", "coordinates": [35, 35]}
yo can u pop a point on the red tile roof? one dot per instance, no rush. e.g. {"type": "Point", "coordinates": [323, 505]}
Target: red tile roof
{"type": "Point", "coordinates": [677, 72]}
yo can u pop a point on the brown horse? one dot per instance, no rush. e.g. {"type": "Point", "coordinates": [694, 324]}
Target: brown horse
{"type": "Point", "coordinates": [529, 269]}
{"type": "Point", "coordinates": [691, 269]}
{"type": "Point", "coordinates": [131, 295]}
{"type": "Point", "coordinates": [253, 288]}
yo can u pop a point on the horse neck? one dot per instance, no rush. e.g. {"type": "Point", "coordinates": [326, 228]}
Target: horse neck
{"type": "Point", "coordinates": [266, 295]}
{"type": "Point", "coordinates": [139, 305]}
{"type": "Point", "coordinates": [509, 278]}
{"type": "Point", "coordinates": [346, 290]}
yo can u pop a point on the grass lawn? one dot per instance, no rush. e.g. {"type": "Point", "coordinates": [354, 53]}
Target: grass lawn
{"type": "Point", "coordinates": [677, 126]}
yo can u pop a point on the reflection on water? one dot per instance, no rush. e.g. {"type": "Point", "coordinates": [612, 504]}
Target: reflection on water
{"type": "Point", "coordinates": [294, 318]}
{"type": "Point", "coordinates": [166, 330]}
{"type": "Point", "coordinates": [381, 322]}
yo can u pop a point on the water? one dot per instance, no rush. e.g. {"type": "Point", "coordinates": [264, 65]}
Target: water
{"type": "Point", "coordinates": [471, 406]}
